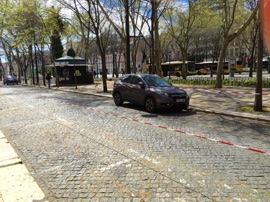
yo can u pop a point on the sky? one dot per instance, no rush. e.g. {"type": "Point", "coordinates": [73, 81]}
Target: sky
{"type": "Point", "coordinates": [3, 57]}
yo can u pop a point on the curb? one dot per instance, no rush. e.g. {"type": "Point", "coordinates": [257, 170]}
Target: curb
{"type": "Point", "coordinates": [232, 114]}
{"type": "Point", "coordinates": [13, 170]}
{"type": "Point", "coordinates": [213, 111]}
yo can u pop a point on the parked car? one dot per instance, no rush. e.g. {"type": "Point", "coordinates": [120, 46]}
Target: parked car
{"type": "Point", "coordinates": [9, 79]}
{"type": "Point", "coordinates": [150, 91]}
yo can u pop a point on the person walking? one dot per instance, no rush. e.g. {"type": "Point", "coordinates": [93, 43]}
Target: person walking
{"type": "Point", "coordinates": [122, 71]}
{"type": "Point", "coordinates": [48, 78]}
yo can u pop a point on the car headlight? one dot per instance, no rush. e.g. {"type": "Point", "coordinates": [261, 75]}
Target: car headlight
{"type": "Point", "coordinates": [159, 92]}
{"type": "Point", "coordinates": [162, 93]}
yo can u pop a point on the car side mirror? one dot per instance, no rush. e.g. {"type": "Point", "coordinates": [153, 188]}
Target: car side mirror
{"type": "Point", "coordinates": [141, 84]}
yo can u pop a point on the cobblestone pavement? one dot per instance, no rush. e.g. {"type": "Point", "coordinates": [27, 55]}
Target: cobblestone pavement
{"type": "Point", "coordinates": [84, 148]}
{"type": "Point", "coordinates": [202, 98]}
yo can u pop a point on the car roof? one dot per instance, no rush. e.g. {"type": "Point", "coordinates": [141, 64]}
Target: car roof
{"type": "Point", "coordinates": [140, 75]}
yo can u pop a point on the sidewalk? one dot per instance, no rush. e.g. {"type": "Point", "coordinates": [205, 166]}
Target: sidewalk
{"type": "Point", "coordinates": [16, 184]}
{"type": "Point", "coordinates": [223, 101]}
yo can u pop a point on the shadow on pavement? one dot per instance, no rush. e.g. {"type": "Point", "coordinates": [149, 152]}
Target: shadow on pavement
{"type": "Point", "coordinates": [160, 112]}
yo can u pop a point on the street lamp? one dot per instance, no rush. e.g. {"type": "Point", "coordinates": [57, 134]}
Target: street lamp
{"type": "Point", "coordinates": [268, 64]}
{"type": "Point", "coordinates": [136, 37]}
{"type": "Point", "coordinates": [127, 37]}
{"type": "Point", "coordinates": [36, 58]}
{"type": "Point", "coordinates": [114, 61]}
{"type": "Point", "coordinates": [2, 70]}
{"type": "Point", "coordinates": [72, 54]}
{"type": "Point", "coordinates": [128, 69]}
{"type": "Point", "coordinates": [212, 66]}
{"type": "Point", "coordinates": [169, 55]}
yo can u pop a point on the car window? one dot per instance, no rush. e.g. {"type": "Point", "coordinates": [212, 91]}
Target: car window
{"type": "Point", "coordinates": [126, 79]}
{"type": "Point", "coordinates": [155, 81]}
{"type": "Point", "coordinates": [136, 80]}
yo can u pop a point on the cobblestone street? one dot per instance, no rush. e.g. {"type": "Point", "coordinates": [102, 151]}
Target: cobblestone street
{"type": "Point", "coordinates": [84, 148]}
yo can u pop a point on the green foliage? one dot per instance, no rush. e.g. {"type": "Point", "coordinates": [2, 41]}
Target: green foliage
{"type": "Point", "coordinates": [57, 48]}
{"type": "Point", "coordinates": [55, 20]}
{"type": "Point", "coordinates": [250, 109]}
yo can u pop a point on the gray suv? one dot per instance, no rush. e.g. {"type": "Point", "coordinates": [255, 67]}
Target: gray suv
{"type": "Point", "coordinates": [9, 79]}
{"type": "Point", "coordinates": [150, 91]}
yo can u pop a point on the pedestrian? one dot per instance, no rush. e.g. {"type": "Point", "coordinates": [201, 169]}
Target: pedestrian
{"type": "Point", "coordinates": [48, 78]}
{"type": "Point", "coordinates": [122, 71]}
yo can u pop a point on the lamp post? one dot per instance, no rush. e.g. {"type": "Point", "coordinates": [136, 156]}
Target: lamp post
{"type": "Point", "coordinates": [211, 68]}
{"type": "Point", "coordinates": [36, 64]}
{"type": "Point", "coordinates": [128, 69]}
{"type": "Point", "coordinates": [97, 65]}
{"type": "Point", "coordinates": [139, 37]}
{"type": "Point", "coordinates": [268, 69]}
{"type": "Point", "coordinates": [113, 71]}
{"type": "Point", "coordinates": [75, 75]}
{"type": "Point", "coordinates": [36, 58]}
{"type": "Point", "coordinates": [1, 68]}
{"type": "Point", "coordinates": [169, 55]}
{"type": "Point", "coordinates": [32, 63]}
{"type": "Point", "coordinates": [127, 37]}
{"type": "Point", "coordinates": [71, 53]}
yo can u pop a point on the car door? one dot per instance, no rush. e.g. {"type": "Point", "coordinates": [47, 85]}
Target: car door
{"type": "Point", "coordinates": [136, 91]}
{"type": "Point", "coordinates": [125, 88]}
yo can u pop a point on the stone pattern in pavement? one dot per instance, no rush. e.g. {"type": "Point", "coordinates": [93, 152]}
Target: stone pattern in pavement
{"type": "Point", "coordinates": [97, 162]}
{"type": "Point", "coordinates": [223, 103]}
{"type": "Point", "coordinates": [77, 170]}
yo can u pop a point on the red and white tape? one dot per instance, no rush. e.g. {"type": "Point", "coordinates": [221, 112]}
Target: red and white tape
{"type": "Point", "coordinates": [225, 91]}
{"type": "Point", "coordinates": [179, 131]}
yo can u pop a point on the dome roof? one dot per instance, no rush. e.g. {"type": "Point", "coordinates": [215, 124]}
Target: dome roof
{"type": "Point", "coordinates": [71, 52]}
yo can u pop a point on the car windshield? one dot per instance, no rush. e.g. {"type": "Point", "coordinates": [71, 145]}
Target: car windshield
{"type": "Point", "coordinates": [151, 80]}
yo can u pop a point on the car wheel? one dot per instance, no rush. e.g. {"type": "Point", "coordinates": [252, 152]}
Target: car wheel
{"type": "Point", "coordinates": [150, 104]}
{"type": "Point", "coordinates": [185, 108]}
{"type": "Point", "coordinates": [117, 99]}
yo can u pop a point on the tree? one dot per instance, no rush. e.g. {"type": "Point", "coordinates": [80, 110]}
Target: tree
{"type": "Point", "coordinates": [229, 10]}
{"type": "Point", "coordinates": [102, 36]}
{"type": "Point", "coordinates": [57, 48]}
{"type": "Point", "coordinates": [249, 38]}
{"type": "Point", "coordinates": [26, 27]}
{"type": "Point", "coordinates": [258, 95]}
{"type": "Point", "coordinates": [185, 28]}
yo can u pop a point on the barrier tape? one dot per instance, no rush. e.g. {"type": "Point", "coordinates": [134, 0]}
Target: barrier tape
{"type": "Point", "coordinates": [224, 91]}
{"type": "Point", "coordinates": [166, 128]}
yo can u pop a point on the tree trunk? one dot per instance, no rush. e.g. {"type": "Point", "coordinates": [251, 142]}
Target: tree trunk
{"type": "Point", "coordinates": [184, 67]}
{"type": "Point", "coordinates": [220, 64]}
{"type": "Point", "coordinates": [155, 43]}
{"type": "Point", "coordinates": [153, 48]}
{"type": "Point", "coordinates": [104, 72]}
{"type": "Point", "coordinates": [258, 95]}
{"type": "Point", "coordinates": [251, 61]}
{"type": "Point", "coordinates": [32, 63]}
